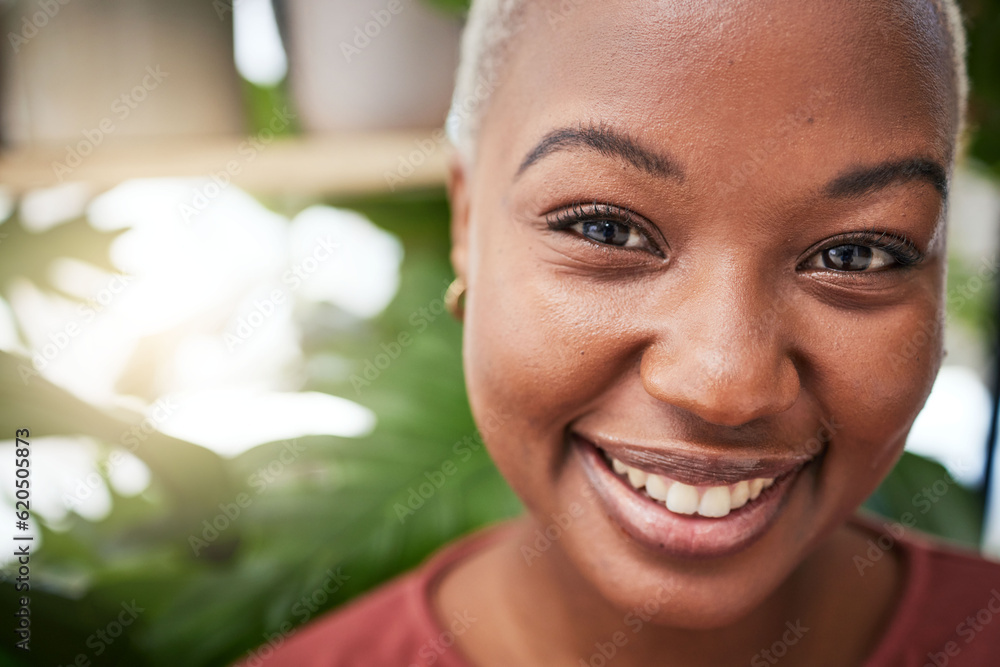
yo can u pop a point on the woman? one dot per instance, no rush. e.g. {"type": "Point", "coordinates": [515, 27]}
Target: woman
{"type": "Point", "coordinates": [694, 238]}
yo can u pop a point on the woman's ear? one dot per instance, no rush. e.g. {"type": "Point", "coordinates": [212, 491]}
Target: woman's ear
{"type": "Point", "coordinates": [458, 195]}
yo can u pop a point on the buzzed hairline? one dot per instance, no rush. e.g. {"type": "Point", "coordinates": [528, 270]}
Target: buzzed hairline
{"type": "Point", "coordinates": [493, 24]}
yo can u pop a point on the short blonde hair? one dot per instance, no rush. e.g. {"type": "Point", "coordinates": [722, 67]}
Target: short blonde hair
{"type": "Point", "coordinates": [492, 25]}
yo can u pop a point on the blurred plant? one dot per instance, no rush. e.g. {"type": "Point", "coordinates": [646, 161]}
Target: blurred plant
{"type": "Point", "coordinates": [977, 311]}
{"type": "Point", "coordinates": [335, 507]}
{"type": "Point", "coordinates": [983, 23]}
{"type": "Point", "coordinates": [452, 6]}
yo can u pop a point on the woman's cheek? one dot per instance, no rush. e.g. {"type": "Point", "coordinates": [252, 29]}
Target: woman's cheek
{"type": "Point", "coordinates": [544, 344]}
{"type": "Point", "coordinates": [541, 353]}
{"type": "Point", "coordinates": [876, 394]}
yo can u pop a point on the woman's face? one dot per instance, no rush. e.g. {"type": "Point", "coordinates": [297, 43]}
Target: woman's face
{"type": "Point", "coordinates": [706, 239]}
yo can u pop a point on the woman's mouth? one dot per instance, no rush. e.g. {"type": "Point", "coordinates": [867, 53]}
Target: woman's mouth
{"type": "Point", "coordinates": [681, 498]}
{"type": "Point", "coordinates": [687, 507]}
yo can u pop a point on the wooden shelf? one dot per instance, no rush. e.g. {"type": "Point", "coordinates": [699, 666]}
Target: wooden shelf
{"type": "Point", "coordinates": [357, 163]}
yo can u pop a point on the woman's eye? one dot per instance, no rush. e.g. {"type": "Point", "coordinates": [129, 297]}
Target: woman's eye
{"type": "Point", "coordinates": [610, 232]}
{"type": "Point", "coordinates": [610, 227]}
{"type": "Point", "coordinates": [852, 258]}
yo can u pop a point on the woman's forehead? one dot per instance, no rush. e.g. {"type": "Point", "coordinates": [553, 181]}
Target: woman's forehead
{"type": "Point", "coordinates": [711, 71]}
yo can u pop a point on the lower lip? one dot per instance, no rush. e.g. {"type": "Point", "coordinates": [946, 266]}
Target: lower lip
{"type": "Point", "coordinates": [658, 529]}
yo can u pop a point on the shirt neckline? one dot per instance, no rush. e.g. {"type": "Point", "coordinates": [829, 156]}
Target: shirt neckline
{"type": "Point", "coordinates": [437, 567]}
{"type": "Point", "coordinates": [915, 563]}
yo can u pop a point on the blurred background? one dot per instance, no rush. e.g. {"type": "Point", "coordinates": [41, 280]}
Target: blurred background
{"type": "Point", "coordinates": [223, 252]}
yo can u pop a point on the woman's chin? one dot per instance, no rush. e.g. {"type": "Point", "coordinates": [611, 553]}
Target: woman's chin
{"type": "Point", "coordinates": [669, 586]}
{"type": "Point", "coordinates": [679, 603]}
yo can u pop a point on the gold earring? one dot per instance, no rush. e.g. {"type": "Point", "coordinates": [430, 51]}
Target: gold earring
{"type": "Point", "coordinates": [453, 298]}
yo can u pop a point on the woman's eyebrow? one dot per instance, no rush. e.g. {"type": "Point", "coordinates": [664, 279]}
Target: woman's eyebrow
{"type": "Point", "coordinates": [606, 141]}
{"type": "Point", "coordinates": [853, 182]}
{"type": "Point", "coordinates": [863, 180]}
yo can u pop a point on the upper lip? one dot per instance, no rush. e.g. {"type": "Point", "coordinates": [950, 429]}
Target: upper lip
{"type": "Point", "coordinates": [686, 463]}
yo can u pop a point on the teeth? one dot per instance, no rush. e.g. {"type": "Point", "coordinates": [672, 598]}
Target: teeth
{"type": "Point", "coordinates": [637, 477]}
{"type": "Point", "coordinates": [682, 498]}
{"type": "Point", "coordinates": [715, 502]}
{"type": "Point", "coordinates": [712, 501]}
{"type": "Point", "coordinates": [739, 495]}
{"type": "Point", "coordinates": [657, 487]}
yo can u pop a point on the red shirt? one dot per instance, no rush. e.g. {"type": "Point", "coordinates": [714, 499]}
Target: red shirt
{"type": "Point", "coordinates": [948, 615]}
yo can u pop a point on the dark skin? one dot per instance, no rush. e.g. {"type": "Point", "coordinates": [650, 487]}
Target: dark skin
{"type": "Point", "coordinates": [696, 311]}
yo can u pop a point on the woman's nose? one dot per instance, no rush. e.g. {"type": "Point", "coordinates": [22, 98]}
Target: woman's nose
{"type": "Point", "coordinates": [724, 356]}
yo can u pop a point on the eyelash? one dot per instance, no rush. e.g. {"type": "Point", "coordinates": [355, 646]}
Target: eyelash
{"type": "Point", "coordinates": [903, 251]}
{"type": "Point", "coordinates": [595, 211]}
